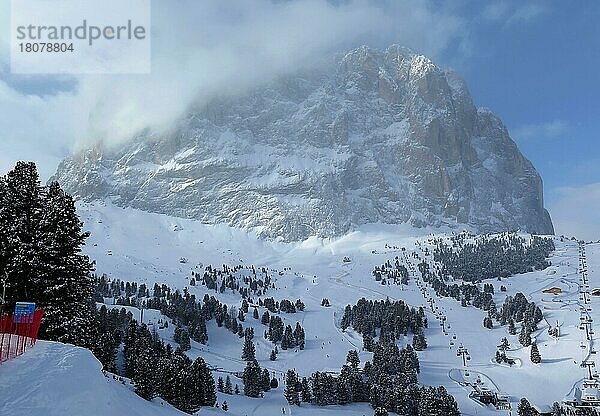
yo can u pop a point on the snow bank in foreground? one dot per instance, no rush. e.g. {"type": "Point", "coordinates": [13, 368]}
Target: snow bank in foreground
{"type": "Point", "coordinates": [59, 379]}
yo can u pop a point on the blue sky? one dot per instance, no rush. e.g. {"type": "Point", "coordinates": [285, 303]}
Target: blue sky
{"type": "Point", "coordinates": [539, 71]}
{"type": "Point", "coordinates": [535, 64]}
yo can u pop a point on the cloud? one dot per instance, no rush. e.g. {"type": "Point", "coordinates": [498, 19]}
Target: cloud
{"type": "Point", "coordinates": [526, 13]}
{"type": "Point", "coordinates": [515, 13]}
{"type": "Point", "coordinates": [575, 211]}
{"type": "Point", "coordinates": [203, 48]}
{"type": "Point", "coordinates": [550, 129]}
{"type": "Point", "coordinates": [495, 11]}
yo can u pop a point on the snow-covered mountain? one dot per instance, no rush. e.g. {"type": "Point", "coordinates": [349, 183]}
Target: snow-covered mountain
{"type": "Point", "coordinates": [377, 136]}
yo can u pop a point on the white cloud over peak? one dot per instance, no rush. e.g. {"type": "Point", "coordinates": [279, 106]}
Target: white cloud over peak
{"type": "Point", "coordinates": [200, 48]}
{"type": "Point", "coordinates": [513, 13]}
{"type": "Point", "coordinates": [549, 129]}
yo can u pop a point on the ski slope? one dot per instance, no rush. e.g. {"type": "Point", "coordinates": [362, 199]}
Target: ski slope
{"type": "Point", "coordinates": [135, 246]}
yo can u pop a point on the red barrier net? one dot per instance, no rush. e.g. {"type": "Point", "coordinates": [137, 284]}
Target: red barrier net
{"type": "Point", "coordinates": [18, 333]}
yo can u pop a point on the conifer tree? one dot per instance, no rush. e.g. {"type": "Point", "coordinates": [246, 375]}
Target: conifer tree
{"type": "Point", "coordinates": [291, 389]}
{"type": "Point", "coordinates": [202, 384]}
{"type": "Point", "coordinates": [534, 354]}
{"type": "Point", "coordinates": [525, 336]}
{"type": "Point", "coordinates": [511, 327]}
{"type": "Point", "coordinates": [248, 350]}
{"type": "Point", "coordinates": [21, 211]}
{"type": "Point", "coordinates": [487, 323]}
{"type": "Point", "coordinates": [305, 395]}
{"type": "Point", "coordinates": [252, 379]}
{"type": "Point", "coordinates": [526, 409]}
{"type": "Point", "coordinates": [228, 389]}
{"type": "Point", "coordinates": [265, 380]}
{"type": "Point", "coordinates": [380, 411]}
{"type": "Point", "coordinates": [182, 337]}
{"type": "Point", "coordinates": [144, 376]}
{"type": "Point", "coordinates": [66, 282]}
{"type": "Point", "coordinates": [40, 254]}
{"type": "Point", "coordinates": [419, 342]}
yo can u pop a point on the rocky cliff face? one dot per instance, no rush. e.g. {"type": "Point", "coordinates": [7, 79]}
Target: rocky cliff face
{"type": "Point", "coordinates": [380, 136]}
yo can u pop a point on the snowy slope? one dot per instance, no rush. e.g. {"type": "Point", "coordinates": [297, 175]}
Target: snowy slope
{"type": "Point", "coordinates": [54, 379]}
{"type": "Point", "coordinates": [143, 247]}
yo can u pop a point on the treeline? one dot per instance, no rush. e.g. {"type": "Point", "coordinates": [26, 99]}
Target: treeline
{"type": "Point", "coordinates": [153, 367]}
{"type": "Point", "coordinates": [518, 309]}
{"type": "Point", "coordinates": [257, 380]}
{"type": "Point", "coordinates": [466, 293]}
{"type": "Point", "coordinates": [256, 283]}
{"type": "Point", "coordinates": [277, 332]}
{"type": "Point", "coordinates": [389, 382]}
{"type": "Point", "coordinates": [157, 370]}
{"type": "Point", "coordinates": [396, 273]}
{"type": "Point", "coordinates": [392, 319]}
{"type": "Point", "coordinates": [191, 316]}
{"type": "Point", "coordinates": [187, 313]}
{"type": "Point", "coordinates": [492, 256]}
{"type": "Point", "coordinates": [284, 305]}
{"type": "Point", "coordinates": [515, 309]}
{"type": "Point", "coordinates": [110, 328]}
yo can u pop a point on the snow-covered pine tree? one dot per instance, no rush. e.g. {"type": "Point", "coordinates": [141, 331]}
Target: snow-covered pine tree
{"type": "Point", "coordinates": [202, 385]}
{"type": "Point", "coordinates": [291, 391]}
{"type": "Point", "coordinates": [556, 410]}
{"type": "Point", "coordinates": [525, 336]}
{"type": "Point", "coordinates": [487, 322]}
{"type": "Point", "coordinates": [288, 338]}
{"type": "Point", "coordinates": [182, 337]}
{"type": "Point", "coordinates": [274, 383]}
{"type": "Point", "coordinates": [380, 411]}
{"type": "Point", "coordinates": [265, 380]}
{"type": "Point", "coordinates": [252, 379]}
{"type": "Point", "coordinates": [21, 210]}
{"type": "Point", "coordinates": [66, 279]}
{"type": "Point", "coordinates": [180, 393]}
{"type": "Point", "coordinates": [144, 375]}
{"type": "Point", "coordinates": [305, 395]}
{"type": "Point", "coordinates": [352, 358]}
{"type": "Point", "coordinates": [299, 337]}
{"type": "Point", "coordinates": [40, 253]}
{"type": "Point", "coordinates": [511, 327]}
{"type": "Point", "coordinates": [526, 409]}
{"type": "Point", "coordinates": [248, 351]}
{"type": "Point", "coordinates": [228, 389]}
{"type": "Point", "coordinates": [534, 354]}
{"type": "Point", "coordinates": [419, 342]}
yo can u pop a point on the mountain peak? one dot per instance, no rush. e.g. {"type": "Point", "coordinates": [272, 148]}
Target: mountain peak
{"type": "Point", "coordinates": [386, 137]}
